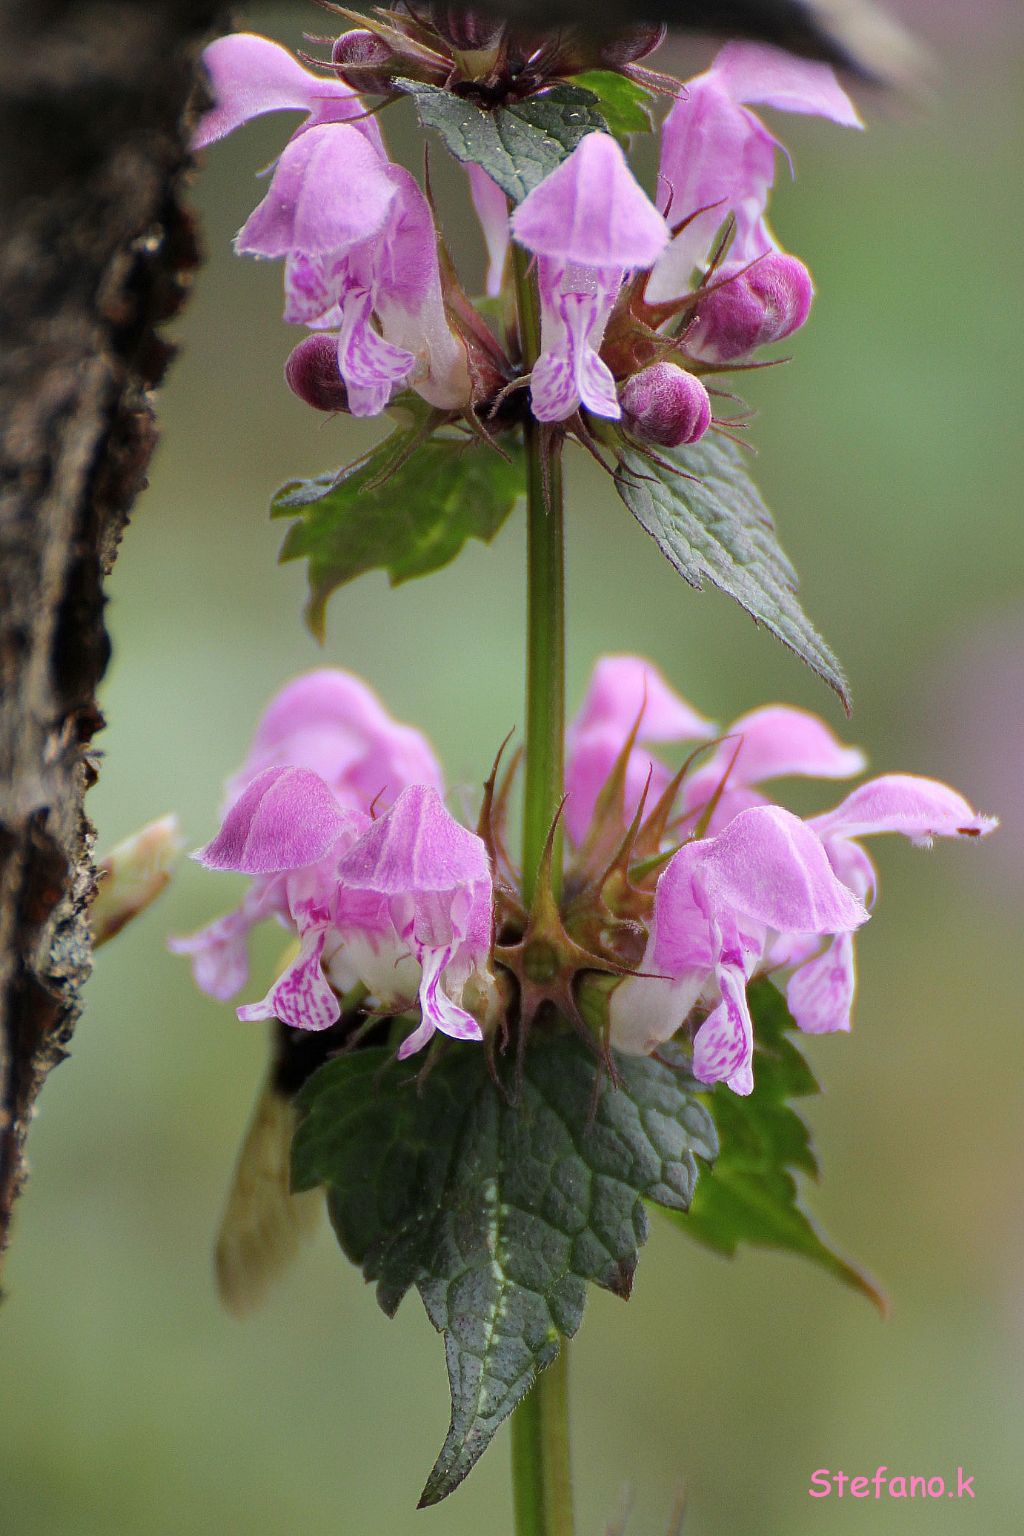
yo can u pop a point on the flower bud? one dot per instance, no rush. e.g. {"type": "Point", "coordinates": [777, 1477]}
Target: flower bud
{"type": "Point", "coordinates": [666, 405]}
{"type": "Point", "coordinates": [634, 43]}
{"type": "Point", "coordinates": [750, 306]}
{"type": "Point", "coordinates": [311, 372]}
{"type": "Point", "coordinates": [365, 61]}
{"type": "Point", "coordinates": [467, 31]}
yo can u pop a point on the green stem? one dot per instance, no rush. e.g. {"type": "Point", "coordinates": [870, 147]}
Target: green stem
{"type": "Point", "coordinates": [541, 1479]}
{"type": "Point", "coordinates": [545, 616]}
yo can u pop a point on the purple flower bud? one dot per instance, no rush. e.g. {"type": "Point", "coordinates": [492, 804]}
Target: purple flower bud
{"type": "Point", "coordinates": [635, 43]}
{"type": "Point", "coordinates": [312, 373]}
{"type": "Point", "coordinates": [666, 405]}
{"type": "Point", "coordinates": [748, 307]}
{"type": "Point", "coordinates": [467, 31]}
{"type": "Point", "coordinates": [364, 61]}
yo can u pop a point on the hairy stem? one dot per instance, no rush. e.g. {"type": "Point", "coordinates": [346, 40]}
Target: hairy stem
{"type": "Point", "coordinates": [545, 616]}
{"type": "Point", "coordinates": [541, 1478]}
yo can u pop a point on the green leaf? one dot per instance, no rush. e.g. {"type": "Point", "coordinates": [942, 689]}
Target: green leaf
{"type": "Point", "coordinates": [624, 105]}
{"type": "Point", "coordinates": [710, 522]}
{"type": "Point", "coordinates": [407, 508]}
{"type": "Point", "coordinates": [517, 146]}
{"type": "Point", "coordinates": [750, 1195]}
{"type": "Point", "coordinates": [498, 1201]}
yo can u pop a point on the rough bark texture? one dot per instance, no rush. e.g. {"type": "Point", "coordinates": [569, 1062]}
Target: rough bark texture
{"type": "Point", "coordinates": [95, 249]}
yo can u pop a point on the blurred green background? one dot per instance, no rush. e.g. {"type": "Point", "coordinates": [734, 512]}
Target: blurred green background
{"type": "Point", "coordinates": [891, 451]}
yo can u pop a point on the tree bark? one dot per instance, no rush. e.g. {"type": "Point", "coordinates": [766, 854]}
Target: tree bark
{"type": "Point", "coordinates": [96, 248]}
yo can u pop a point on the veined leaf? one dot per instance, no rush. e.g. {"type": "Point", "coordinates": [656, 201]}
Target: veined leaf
{"type": "Point", "coordinates": [710, 522]}
{"type": "Point", "coordinates": [498, 1201]}
{"type": "Point", "coordinates": [751, 1195]}
{"type": "Point", "coordinates": [624, 105]}
{"type": "Point", "coordinates": [407, 508]}
{"type": "Point", "coordinates": [517, 146]}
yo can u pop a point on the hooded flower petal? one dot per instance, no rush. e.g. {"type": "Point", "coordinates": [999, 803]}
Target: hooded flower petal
{"type": "Point", "coordinates": [759, 74]}
{"type": "Point", "coordinates": [331, 722]}
{"type": "Point", "coordinates": [591, 211]}
{"type": "Point", "coordinates": [718, 159]}
{"type": "Point", "coordinates": [922, 809]}
{"type": "Point", "coordinates": [285, 819]}
{"type": "Point", "coordinates": [770, 866]}
{"type": "Point", "coordinates": [250, 75]}
{"type": "Point", "coordinates": [588, 221]}
{"type": "Point", "coordinates": [773, 742]}
{"type": "Point", "coordinates": [491, 206]}
{"type": "Point", "coordinates": [623, 690]}
{"type": "Point", "coordinates": [329, 192]}
{"type": "Point", "coordinates": [777, 742]}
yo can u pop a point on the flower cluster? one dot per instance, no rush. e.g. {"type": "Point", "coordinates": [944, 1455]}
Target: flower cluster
{"type": "Point", "coordinates": [338, 819]}
{"type": "Point", "coordinates": [639, 299]}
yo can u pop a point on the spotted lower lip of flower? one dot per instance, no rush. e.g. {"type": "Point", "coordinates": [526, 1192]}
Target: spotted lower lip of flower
{"type": "Point", "coordinates": [588, 222]}
{"type": "Point", "coordinates": [717, 156]}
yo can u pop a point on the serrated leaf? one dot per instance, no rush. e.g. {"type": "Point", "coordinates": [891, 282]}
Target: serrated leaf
{"type": "Point", "coordinates": [710, 523]}
{"type": "Point", "coordinates": [499, 1203]}
{"type": "Point", "coordinates": [751, 1195]}
{"type": "Point", "coordinates": [624, 105]}
{"type": "Point", "coordinates": [517, 146]}
{"type": "Point", "coordinates": [407, 520]}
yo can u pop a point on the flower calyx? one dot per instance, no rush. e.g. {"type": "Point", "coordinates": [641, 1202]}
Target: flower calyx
{"type": "Point", "coordinates": [477, 54]}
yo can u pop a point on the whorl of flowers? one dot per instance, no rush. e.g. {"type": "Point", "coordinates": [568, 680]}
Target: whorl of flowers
{"type": "Point", "coordinates": [678, 889]}
{"type": "Point", "coordinates": [641, 300]}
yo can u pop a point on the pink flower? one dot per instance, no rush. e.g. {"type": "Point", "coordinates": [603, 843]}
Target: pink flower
{"type": "Point", "coordinates": [761, 889]}
{"type": "Point", "coordinates": [588, 222]}
{"type": "Point", "coordinates": [401, 904]}
{"type": "Point", "coordinates": [332, 722]}
{"type": "Point", "coordinates": [775, 741]}
{"type": "Point", "coordinates": [328, 722]}
{"type": "Point", "coordinates": [251, 75]}
{"type": "Point", "coordinates": [355, 232]}
{"type": "Point", "coordinates": [718, 903]}
{"type": "Point", "coordinates": [623, 690]}
{"type": "Point", "coordinates": [413, 918]}
{"type": "Point", "coordinates": [718, 159]}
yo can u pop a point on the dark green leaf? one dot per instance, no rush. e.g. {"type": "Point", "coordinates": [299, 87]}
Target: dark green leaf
{"type": "Point", "coordinates": [750, 1195]}
{"type": "Point", "coordinates": [407, 520]}
{"type": "Point", "coordinates": [499, 1206]}
{"type": "Point", "coordinates": [710, 522]}
{"type": "Point", "coordinates": [624, 105]}
{"type": "Point", "coordinates": [517, 146]}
